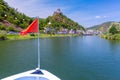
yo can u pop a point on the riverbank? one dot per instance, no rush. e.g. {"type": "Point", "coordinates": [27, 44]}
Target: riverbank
{"type": "Point", "coordinates": [19, 37]}
{"type": "Point", "coordinates": [111, 37]}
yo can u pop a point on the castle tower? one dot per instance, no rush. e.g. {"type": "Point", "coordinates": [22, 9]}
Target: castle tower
{"type": "Point", "coordinates": [58, 11]}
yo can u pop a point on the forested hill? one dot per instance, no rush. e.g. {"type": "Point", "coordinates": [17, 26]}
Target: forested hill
{"type": "Point", "coordinates": [103, 25]}
{"type": "Point", "coordinates": [59, 20]}
{"type": "Point", "coordinates": [12, 20]}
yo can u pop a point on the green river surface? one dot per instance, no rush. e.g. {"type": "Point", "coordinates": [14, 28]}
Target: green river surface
{"type": "Point", "coordinates": [69, 58]}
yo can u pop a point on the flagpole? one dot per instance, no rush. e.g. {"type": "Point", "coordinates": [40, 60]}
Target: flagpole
{"type": "Point", "coordinates": [38, 45]}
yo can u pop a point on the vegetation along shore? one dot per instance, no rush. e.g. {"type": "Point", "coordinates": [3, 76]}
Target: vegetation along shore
{"type": "Point", "coordinates": [32, 36]}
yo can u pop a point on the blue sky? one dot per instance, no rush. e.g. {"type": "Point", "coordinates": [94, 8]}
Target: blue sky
{"type": "Point", "coordinates": [85, 12]}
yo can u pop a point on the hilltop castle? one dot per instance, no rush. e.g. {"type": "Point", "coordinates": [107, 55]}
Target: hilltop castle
{"type": "Point", "coordinates": [58, 11]}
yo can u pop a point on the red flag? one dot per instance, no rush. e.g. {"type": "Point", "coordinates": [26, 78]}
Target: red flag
{"type": "Point", "coordinates": [33, 27]}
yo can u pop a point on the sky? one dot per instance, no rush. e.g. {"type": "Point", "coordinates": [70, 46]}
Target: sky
{"type": "Point", "coordinates": [84, 12]}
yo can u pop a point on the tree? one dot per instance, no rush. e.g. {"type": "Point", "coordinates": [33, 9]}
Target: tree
{"type": "Point", "coordinates": [3, 35]}
{"type": "Point", "coordinates": [113, 30]}
{"type": "Point", "coordinates": [2, 27]}
{"type": "Point", "coordinates": [10, 28]}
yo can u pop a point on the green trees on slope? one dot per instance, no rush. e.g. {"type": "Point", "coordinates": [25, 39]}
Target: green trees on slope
{"type": "Point", "coordinates": [13, 16]}
{"type": "Point", "coordinates": [58, 20]}
{"type": "Point", "coordinates": [113, 32]}
{"type": "Point", "coordinates": [114, 28]}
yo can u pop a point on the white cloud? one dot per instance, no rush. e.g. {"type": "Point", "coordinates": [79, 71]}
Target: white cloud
{"type": "Point", "coordinates": [97, 17]}
{"type": "Point", "coordinates": [104, 16]}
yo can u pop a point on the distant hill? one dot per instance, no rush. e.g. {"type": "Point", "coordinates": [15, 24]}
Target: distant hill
{"type": "Point", "coordinates": [105, 24]}
{"type": "Point", "coordinates": [59, 20]}
{"type": "Point", "coordinates": [113, 32]}
{"type": "Point", "coordinates": [103, 27]}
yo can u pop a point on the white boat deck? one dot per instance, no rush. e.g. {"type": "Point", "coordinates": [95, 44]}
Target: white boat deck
{"type": "Point", "coordinates": [33, 75]}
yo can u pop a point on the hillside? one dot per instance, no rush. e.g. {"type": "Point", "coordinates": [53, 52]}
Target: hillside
{"type": "Point", "coordinates": [102, 27]}
{"type": "Point", "coordinates": [11, 19]}
{"type": "Point", "coordinates": [97, 27]}
{"type": "Point", "coordinates": [59, 20]}
{"type": "Point", "coordinates": [113, 32]}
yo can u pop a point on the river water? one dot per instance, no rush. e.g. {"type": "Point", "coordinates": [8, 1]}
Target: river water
{"type": "Point", "coordinates": [69, 58]}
